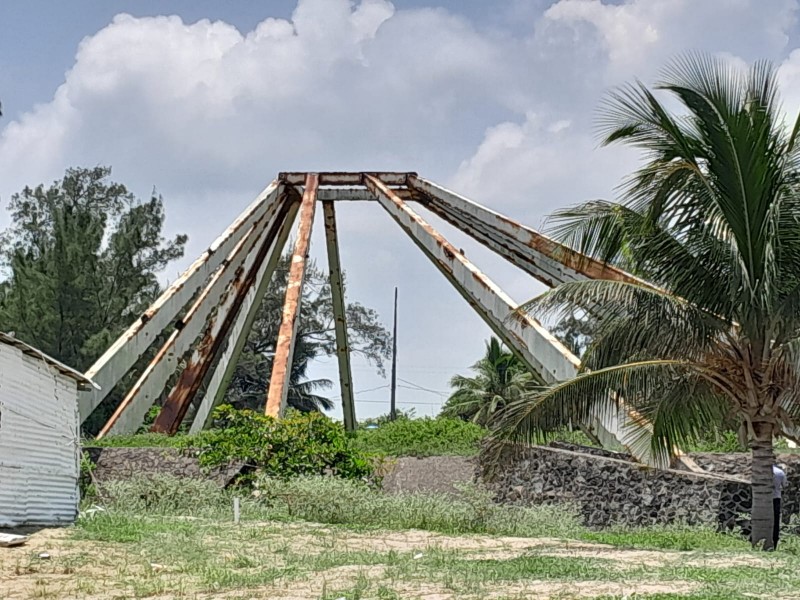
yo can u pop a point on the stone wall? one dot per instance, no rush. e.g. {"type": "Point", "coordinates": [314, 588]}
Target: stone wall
{"type": "Point", "coordinates": [737, 464]}
{"type": "Point", "coordinates": [611, 491]}
{"type": "Point", "coordinates": [125, 463]}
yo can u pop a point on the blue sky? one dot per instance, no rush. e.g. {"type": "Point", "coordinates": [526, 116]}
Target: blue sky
{"type": "Point", "coordinates": [206, 101]}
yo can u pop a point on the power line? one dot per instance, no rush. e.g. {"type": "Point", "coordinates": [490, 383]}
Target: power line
{"type": "Point", "coordinates": [424, 389]}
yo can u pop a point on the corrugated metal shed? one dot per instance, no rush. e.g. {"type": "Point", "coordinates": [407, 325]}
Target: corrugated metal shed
{"type": "Point", "coordinates": [39, 437]}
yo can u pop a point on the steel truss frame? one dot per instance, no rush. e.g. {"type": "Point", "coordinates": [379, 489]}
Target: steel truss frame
{"type": "Point", "coordinates": [208, 312]}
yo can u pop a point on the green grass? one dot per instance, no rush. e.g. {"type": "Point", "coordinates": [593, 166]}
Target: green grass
{"type": "Point", "coordinates": [138, 440]}
{"type": "Point", "coordinates": [308, 535]}
{"type": "Point", "coordinates": [671, 537]}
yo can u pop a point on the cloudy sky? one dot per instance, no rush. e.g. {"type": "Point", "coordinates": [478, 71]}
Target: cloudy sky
{"type": "Point", "coordinates": [206, 101]}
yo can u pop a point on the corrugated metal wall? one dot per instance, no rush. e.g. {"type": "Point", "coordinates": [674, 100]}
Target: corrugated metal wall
{"type": "Point", "coordinates": [39, 442]}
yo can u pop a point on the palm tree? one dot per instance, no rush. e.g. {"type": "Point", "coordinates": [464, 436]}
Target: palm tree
{"type": "Point", "coordinates": [500, 377]}
{"type": "Point", "coordinates": [249, 388]}
{"type": "Point", "coordinates": [712, 218]}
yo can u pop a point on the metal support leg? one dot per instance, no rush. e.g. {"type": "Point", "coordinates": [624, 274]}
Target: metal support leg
{"type": "Point", "coordinates": [220, 324]}
{"type": "Point", "coordinates": [225, 368]}
{"type": "Point", "coordinates": [543, 353]}
{"type": "Point", "coordinates": [115, 363]}
{"type": "Point", "coordinates": [339, 314]}
{"type": "Point", "coordinates": [284, 348]}
{"type": "Point", "coordinates": [543, 258]}
{"type": "Point", "coordinates": [150, 385]}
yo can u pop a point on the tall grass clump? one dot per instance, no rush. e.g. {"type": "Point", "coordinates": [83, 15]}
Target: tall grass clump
{"type": "Point", "coordinates": [337, 501]}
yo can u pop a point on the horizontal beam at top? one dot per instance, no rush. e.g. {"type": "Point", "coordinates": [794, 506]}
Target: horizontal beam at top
{"type": "Point", "coordinates": [346, 194]}
{"type": "Point", "coordinates": [346, 178]}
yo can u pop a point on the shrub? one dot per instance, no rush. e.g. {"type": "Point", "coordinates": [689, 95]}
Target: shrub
{"type": "Point", "coordinates": [299, 444]}
{"type": "Point", "coordinates": [422, 437]}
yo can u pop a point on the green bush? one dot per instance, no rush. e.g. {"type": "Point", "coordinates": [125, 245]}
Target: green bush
{"type": "Point", "coordinates": [422, 437]}
{"type": "Point", "coordinates": [299, 444]}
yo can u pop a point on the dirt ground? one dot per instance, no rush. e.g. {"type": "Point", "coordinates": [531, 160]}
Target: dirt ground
{"type": "Point", "coordinates": [298, 552]}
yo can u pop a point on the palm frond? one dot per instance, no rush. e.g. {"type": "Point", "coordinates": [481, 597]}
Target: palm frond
{"type": "Point", "coordinates": [605, 392]}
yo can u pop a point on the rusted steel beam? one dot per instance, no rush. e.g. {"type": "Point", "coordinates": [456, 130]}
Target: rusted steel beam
{"type": "Point", "coordinates": [543, 353]}
{"type": "Point", "coordinates": [340, 317]}
{"type": "Point", "coordinates": [284, 347]}
{"type": "Point", "coordinates": [552, 264]}
{"type": "Point", "coordinates": [218, 327]}
{"type": "Point", "coordinates": [355, 194]}
{"type": "Point", "coordinates": [115, 363]}
{"type": "Point", "coordinates": [150, 386]}
{"type": "Point", "coordinates": [343, 178]}
{"type": "Point", "coordinates": [548, 357]}
{"type": "Point", "coordinates": [225, 368]}
{"type": "Point", "coordinates": [547, 260]}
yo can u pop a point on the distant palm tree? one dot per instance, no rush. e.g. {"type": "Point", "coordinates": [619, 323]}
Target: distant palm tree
{"type": "Point", "coordinates": [500, 378]}
{"type": "Point", "coordinates": [249, 387]}
{"type": "Point", "coordinates": [713, 218]}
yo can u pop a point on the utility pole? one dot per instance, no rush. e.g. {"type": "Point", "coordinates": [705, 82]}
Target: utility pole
{"type": "Point", "coordinates": [393, 405]}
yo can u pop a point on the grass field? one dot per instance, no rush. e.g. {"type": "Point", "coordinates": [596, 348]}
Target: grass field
{"type": "Point", "coordinates": [328, 539]}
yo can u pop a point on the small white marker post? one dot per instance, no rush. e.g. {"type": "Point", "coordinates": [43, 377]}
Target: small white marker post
{"type": "Point", "coordinates": [236, 510]}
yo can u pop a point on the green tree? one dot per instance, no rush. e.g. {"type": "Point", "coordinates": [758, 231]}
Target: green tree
{"type": "Point", "coordinates": [500, 378]}
{"type": "Point", "coordinates": [712, 217]}
{"type": "Point", "coordinates": [315, 338]}
{"type": "Point", "coordinates": [82, 258]}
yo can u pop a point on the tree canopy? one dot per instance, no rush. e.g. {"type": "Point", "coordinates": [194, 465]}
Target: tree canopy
{"type": "Point", "coordinates": [83, 257]}
{"type": "Point", "coordinates": [712, 218]}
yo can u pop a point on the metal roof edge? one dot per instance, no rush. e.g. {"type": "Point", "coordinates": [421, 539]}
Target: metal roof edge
{"type": "Point", "coordinates": [59, 366]}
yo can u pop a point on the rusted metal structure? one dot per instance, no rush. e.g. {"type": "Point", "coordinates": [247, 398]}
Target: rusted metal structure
{"type": "Point", "coordinates": [207, 313]}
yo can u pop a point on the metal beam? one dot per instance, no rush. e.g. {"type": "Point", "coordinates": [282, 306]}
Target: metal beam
{"type": "Point", "coordinates": [548, 357]}
{"type": "Point", "coordinates": [284, 347]}
{"type": "Point", "coordinates": [542, 352]}
{"type": "Point", "coordinates": [115, 363]}
{"type": "Point", "coordinates": [547, 260]}
{"type": "Point", "coordinates": [343, 178]}
{"type": "Point", "coordinates": [359, 194]}
{"type": "Point", "coordinates": [340, 317]}
{"type": "Point", "coordinates": [225, 368]}
{"type": "Point", "coordinates": [150, 386]}
{"type": "Point", "coordinates": [218, 327]}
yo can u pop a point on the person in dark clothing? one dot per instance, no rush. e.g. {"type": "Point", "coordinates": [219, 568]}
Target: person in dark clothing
{"type": "Point", "coordinates": [779, 481]}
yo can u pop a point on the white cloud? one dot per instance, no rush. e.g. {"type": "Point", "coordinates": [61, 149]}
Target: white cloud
{"type": "Point", "coordinates": [207, 114]}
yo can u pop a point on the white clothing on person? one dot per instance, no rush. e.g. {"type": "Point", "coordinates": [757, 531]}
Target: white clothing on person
{"type": "Point", "coordinates": [779, 481]}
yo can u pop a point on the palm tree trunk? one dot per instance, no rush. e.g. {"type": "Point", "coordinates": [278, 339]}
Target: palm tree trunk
{"type": "Point", "coordinates": [762, 485]}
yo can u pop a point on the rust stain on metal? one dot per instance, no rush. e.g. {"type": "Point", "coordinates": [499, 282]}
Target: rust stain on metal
{"type": "Point", "coordinates": [341, 178]}
{"type": "Point", "coordinates": [378, 188]}
{"type": "Point", "coordinates": [282, 361]}
{"type": "Point", "coordinates": [570, 258]}
{"type": "Point", "coordinates": [180, 399]}
{"type": "Point", "coordinates": [168, 348]}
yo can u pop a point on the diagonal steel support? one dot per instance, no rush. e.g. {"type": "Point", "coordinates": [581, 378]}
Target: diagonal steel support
{"type": "Point", "coordinates": [284, 347]}
{"type": "Point", "coordinates": [543, 258]}
{"type": "Point", "coordinates": [542, 352]}
{"type": "Point", "coordinates": [208, 350]}
{"type": "Point", "coordinates": [549, 262]}
{"type": "Point", "coordinates": [225, 368]}
{"type": "Point", "coordinates": [115, 363]}
{"type": "Point", "coordinates": [340, 317]}
{"type": "Point", "coordinates": [130, 414]}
